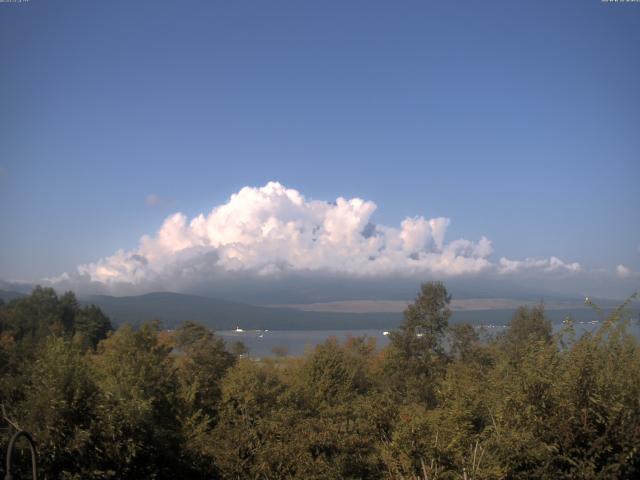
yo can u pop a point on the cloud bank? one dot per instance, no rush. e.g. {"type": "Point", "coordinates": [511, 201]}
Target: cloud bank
{"type": "Point", "coordinates": [272, 231]}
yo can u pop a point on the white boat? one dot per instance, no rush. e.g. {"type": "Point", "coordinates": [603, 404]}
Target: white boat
{"type": "Point", "coordinates": [385, 333]}
{"type": "Point", "coordinates": [239, 330]}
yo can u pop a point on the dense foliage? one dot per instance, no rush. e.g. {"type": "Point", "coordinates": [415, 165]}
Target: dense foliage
{"type": "Point", "coordinates": [435, 403]}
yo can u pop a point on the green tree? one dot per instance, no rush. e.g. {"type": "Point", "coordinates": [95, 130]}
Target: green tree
{"type": "Point", "coordinates": [465, 342]}
{"type": "Point", "coordinates": [202, 361]}
{"type": "Point", "coordinates": [90, 325]}
{"type": "Point", "coordinates": [58, 408]}
{"type": "Point", "coordinates": [329, 389]}
{"type": "Point", "coordinates": [139, 434]}
{"type": "Point", "coordinates": [239, 349]}
{"type": "Point", "coordinates": [416, 357]}
{"type": "Point", "coordinates": [32, 318]}
{"type": "Point", "coordinates": [250, 440]}
{"type": "Point", "coordinates": [528, 325]}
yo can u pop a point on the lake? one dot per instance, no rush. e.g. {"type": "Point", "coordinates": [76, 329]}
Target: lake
{"type": "Point", "coordinates": [296, 342]}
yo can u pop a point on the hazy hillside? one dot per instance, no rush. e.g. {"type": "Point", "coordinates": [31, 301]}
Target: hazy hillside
{"type": "Point", "coordinates": [174, 308]}
{"type": "Point", "coordinates": [8, 295]}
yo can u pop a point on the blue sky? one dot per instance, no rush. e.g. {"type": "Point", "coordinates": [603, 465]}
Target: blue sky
{"type": "Point", "coordinates": [518, 121]}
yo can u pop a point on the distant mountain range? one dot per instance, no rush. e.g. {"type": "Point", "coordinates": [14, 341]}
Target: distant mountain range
{"type": "Point", "coordinates": [174, 308]}
{"type": "Point", "coordinates": [8, 295]}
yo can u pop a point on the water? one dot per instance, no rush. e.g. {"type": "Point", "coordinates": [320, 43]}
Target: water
{"type": "Point", "coordinates": [297, 342]}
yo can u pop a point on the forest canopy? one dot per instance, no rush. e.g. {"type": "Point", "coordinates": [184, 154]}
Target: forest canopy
{"type": "Point", "coordinates": [439, 402]}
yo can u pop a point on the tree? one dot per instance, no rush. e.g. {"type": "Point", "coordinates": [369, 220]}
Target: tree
{"type": "Point", "coordinates": [527, 327]}
{"type": "Point", "coordinates": [417, 357]}
{"type": "Point", "coordinates": [329, 390]}
{"type": "Point", "coordinates": [239, 349]}
{"type": "Point", "coordinates": [32, 318]}
{"type": "Point", "coordinates": [466, 345]}
{"type": "Point", "coordinates": [250, 438]}
{"type": "Point", "coordinates": [137, 426]}
{"type": "Point", "coordinates": [90, 326]}
{"type": "Point", "coordinates": [201, 366]}
{"type": "Point", "coordinates": [159, 404]}
{"type": "Point", "coordinates": [58, 409]}
{"type": "Point", "coordinates": [201, 363]}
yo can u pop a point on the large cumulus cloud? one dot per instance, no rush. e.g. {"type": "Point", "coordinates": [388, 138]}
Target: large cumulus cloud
{"type": "Point", "coordinates": [274, 231]}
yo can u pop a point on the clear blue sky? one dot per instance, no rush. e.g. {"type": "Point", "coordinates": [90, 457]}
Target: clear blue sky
{"type": "Point", "coordinates": [518, 120]}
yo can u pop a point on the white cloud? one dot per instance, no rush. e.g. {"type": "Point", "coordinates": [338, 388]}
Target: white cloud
{"type": "Point", "coordinates": [623, 272]}
{"type": "Point", "coordinates": [551, 264]}
{"type": "Point", "coordinates": [274, 230]}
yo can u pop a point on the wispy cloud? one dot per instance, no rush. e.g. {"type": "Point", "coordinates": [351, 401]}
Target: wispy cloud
{"type": "Point", "coordinates": [154, 200]}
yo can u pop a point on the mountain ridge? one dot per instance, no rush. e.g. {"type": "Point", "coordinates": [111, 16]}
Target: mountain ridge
{"type": "Point", "coordinates": [174, 308]}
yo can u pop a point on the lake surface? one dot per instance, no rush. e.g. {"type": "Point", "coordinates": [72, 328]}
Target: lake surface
{"type": "Point", "coordinates": [296, 342]}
